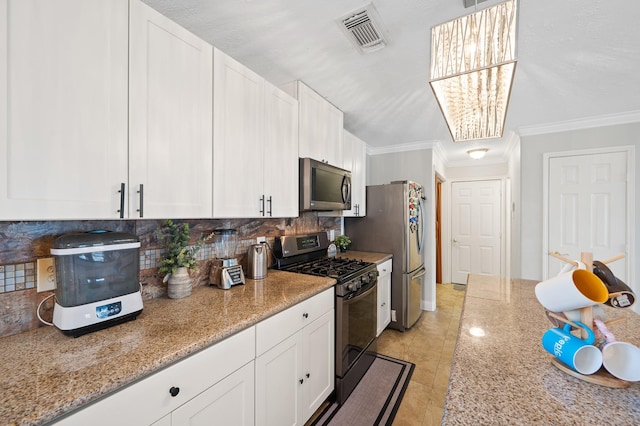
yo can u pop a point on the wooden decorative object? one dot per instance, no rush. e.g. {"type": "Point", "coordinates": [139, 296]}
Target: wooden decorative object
{"type": "Point", "coordinates": [602, 376]}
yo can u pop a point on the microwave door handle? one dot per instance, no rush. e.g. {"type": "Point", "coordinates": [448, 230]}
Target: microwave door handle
{"type": "Point", "coordinates": [346, 189]}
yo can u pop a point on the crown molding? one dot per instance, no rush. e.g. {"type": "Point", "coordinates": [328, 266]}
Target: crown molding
{"type": "Point", "coordinates": [582, 123]}
{"type": "Point", "coordinates": [412, 146]}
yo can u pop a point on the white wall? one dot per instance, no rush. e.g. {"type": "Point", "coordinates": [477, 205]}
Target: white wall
{"type": "Point", "coordinates": [513, 171]}
{"type": "Point", "coordinates": [416, 166]}
{"type": "Point", "coordinates": [532, 150]}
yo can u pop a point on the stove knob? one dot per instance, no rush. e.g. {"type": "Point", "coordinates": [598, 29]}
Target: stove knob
{"type": "Point", "coordinates": [352, 286]}
{"type": "Point", "coordinates": [365, 279]}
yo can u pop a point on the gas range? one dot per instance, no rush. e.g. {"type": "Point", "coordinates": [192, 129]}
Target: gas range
{"type": "Point", "coordinates": [356, 302]}
{"type": "Point", "coordinates": [306, 254]}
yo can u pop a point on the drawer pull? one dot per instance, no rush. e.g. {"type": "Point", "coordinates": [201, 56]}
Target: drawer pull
{"type": "Point", "coordinates": [301, 381]}
{"type": "Point", "coordinates": [174, 391]}
{"type": "Point", "coordinates": [306, 315]}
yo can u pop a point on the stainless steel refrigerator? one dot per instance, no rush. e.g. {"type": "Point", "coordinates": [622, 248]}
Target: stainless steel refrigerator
{"type": "Point", "coordinates": [395, 224]}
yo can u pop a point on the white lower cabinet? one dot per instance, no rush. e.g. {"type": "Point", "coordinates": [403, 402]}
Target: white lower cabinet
{"type": "Point", "coordinates": [278, 372]}
{"type": "Point", "coordinates": [384, 295]}
{"type": "Point", "coordinates": [194, 380]}
{"type": "Point", "coordinates": [295, 375]}
{"type": "Point", "coordinates": [229, 402]}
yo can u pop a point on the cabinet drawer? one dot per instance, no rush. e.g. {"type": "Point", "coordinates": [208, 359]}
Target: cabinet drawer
{"type": "Point", "coordinates": [148, 400]}
{"type": "Point", "coordinates": [274, 330]}
{"type": "Point", "coordinates": [385, 267]}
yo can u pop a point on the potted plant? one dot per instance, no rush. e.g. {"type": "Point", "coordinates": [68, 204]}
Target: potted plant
{"type": "Point", "coordinates": [342, 241]}
{"type": "Point", "coordinates": [179, 259]}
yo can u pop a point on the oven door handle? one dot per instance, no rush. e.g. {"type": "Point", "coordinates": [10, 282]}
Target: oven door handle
{"type": "Point", "coordinates": [361, 295]}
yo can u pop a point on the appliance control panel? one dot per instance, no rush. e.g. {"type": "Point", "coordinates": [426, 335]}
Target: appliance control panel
{"type": "Point", "coordinates": [111, 309]}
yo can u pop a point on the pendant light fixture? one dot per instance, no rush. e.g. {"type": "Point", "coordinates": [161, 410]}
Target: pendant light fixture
{"type": "Point", "coordinates": [473, 61]}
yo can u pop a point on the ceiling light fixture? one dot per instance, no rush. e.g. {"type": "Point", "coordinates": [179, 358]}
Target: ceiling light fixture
{"type": "Point", "coordinates": [473, 61]}
{"type": "Point", "coordinates": [478, 153]}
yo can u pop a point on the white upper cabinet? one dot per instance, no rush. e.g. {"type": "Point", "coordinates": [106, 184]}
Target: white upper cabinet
{"type": "Point", "coordinates": [98, 96]}
{"type": "Point", "coordinates": [237, 138]}
{"type": "Point", "coordinates": [170, 128]}
{"type": "Point", "coordinates": [255, 144]}
{"type": "Point", "coordinates": [63, 108]}
{"type": "Point", "coordinates": [321, 126]}
{"type": "Point", "coordinates": [281, 153]}
{"type": "Point", "coordinates": [355, 159]}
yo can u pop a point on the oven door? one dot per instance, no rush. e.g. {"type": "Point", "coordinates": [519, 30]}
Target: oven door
{"type": "Point", "coordinates": [356, 322]}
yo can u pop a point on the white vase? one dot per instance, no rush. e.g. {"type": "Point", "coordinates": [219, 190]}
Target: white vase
{"type": "Point", "coordinates": [179, 284]}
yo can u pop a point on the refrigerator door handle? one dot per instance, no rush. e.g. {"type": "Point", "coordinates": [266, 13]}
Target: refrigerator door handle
{"type": "Point", "coordinates": [420, 273]}
{"type": "Point", "coordinates": [422, 225]}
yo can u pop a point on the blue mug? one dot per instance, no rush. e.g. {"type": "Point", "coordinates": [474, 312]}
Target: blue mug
{"type": "Point", "coordinates": [580, 355]}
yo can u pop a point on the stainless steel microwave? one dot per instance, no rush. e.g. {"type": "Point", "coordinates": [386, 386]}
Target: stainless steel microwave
{"type": "Point", "coordinates": [323, 186]}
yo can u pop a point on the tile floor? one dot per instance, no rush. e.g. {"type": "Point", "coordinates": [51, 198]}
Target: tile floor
{"type": "Point", "coordinates": [429, 344]}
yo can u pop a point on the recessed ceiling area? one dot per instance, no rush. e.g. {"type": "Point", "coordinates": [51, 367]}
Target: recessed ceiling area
{"type": "Point", "coordinates": [577, 61]}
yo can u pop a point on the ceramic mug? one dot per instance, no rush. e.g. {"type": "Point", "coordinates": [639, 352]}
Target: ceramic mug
{"type": "Point", "coordinates": [573, 289]}
{"type": "Point", "coordinates": [580, 355]}
{"type": "Point", "coordinates": [621, 359]}
{"type": "Point", "coordinates": [620, 295]}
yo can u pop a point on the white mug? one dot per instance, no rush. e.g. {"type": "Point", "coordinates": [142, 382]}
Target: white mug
{"type": "Point", "coordinates": [571, 289]}
{"type": "Point", "coordinates": [621, 359]}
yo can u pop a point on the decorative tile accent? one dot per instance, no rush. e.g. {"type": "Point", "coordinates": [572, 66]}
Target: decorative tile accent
{"type": "Point", "coordinates": [18, 276]}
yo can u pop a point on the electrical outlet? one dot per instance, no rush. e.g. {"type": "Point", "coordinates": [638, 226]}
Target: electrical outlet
{"type": "Point", "coordinates": [332, 235]}
{"type": "Point", "coordinates": [393, 315]}
{"type": "Point", "coordinates": [261, 240]}
{"type": "Point", "coordinates": [46, 278]}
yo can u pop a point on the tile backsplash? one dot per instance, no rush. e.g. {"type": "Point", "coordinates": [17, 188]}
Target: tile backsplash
{"type": "Point", "coordinates": [19, 276]}
{"type": "Point", "coordinates": [22, 243]}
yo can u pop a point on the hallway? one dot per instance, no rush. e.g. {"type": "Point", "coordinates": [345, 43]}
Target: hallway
{"type": "Point", "coordinates": [429, 344]}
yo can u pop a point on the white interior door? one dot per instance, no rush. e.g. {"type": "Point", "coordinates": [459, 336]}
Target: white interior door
{"type": "Point", "coordinates": [475, 229]}
{"type": "Point", "coordinates": [587, 208]}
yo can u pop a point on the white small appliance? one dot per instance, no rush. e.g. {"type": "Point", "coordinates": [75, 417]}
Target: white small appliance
{"type": "Point", "coordinates": [98, 281]}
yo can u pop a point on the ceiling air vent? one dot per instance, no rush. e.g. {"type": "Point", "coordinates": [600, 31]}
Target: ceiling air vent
{"type": "Point", "coordinates": [364, 29]}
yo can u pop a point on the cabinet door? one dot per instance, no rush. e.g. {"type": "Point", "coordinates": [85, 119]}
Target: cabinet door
{"type": "Point", "coordinates": [170, 128]}
{"type": "Point", "coordinates": [359, 177]}
{"type": "Point", "coordinates": [354, 155]}
{"type": "Point", "coordinates": [318, 370]}
{"type": "Point", "coordinates": [321, 126]}
{"type": "Point", "coordinates": [279, 384]}
{"type": "Point", "coordinates": [228, 402]}
{"type": "Point", "coordinates": [238, 139]}
{"type": "Point", "coordinates": [281, 153]}
{"type": "Point", "coordinates": [334, 122]}
{"type": "Point", "coordinates": [63, 108]}
{"type": "Point", "coordinates": [311, 123]}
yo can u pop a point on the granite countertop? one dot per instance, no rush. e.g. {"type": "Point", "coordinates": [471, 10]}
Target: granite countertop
{"type": "Point", "coordinates": [46, 374]}
{"type": "Point", "coordinates": [506, 377]}
{"type": "Point", "coordinates": [367, 256]}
